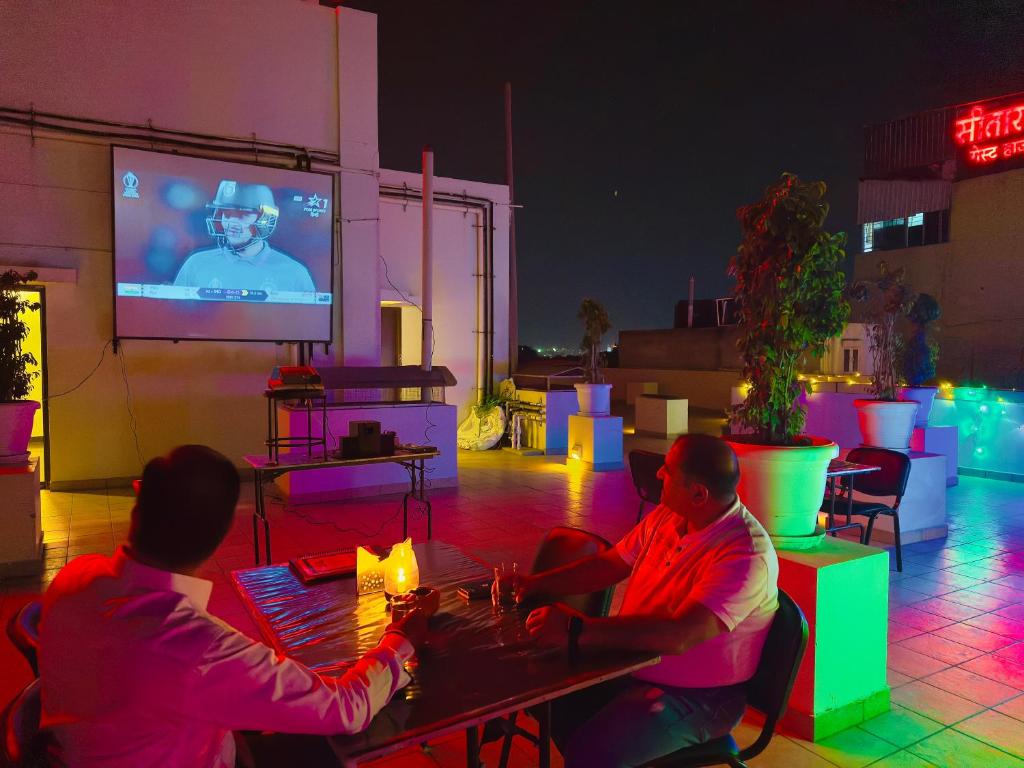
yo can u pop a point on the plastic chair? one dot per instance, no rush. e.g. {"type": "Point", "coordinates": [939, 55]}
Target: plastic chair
{"type": "Point", "coordinates": [22, 743]}
{"type": "Point", "coordinates": [23, 631]}
{"type": "Point", "coordinates": [644, 466]}
{"type": "Point", "coordinates": [890, 480]}
{"type": "Point", "coordinates": [767, 692]}
{"type": "Point", "coordinates": [560, 545]}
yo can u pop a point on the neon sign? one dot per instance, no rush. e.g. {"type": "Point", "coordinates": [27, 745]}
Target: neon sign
{"type": "Point", "coordinates": [980, 126]}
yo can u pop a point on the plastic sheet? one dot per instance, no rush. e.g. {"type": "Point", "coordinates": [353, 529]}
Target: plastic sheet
{"type": "Point", "coordinates": [477, 659]}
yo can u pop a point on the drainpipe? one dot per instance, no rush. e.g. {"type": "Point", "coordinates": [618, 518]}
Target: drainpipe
{"type": "Point", "coordinates": [428, 265]}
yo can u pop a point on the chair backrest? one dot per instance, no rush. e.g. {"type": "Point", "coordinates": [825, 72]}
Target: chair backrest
{"type": "Point", "coordinates": [891, 480]}
{"type": "Point", "coordinates": [23, 631]}
{"type": "Point", "coordinates": [563, 545]}
{"type": "Point", "coordinates": [768, 690]}
{"type": "Point", "coordinates": [644, 466]}
{"type": "Point", "coordinates": [20, 724]}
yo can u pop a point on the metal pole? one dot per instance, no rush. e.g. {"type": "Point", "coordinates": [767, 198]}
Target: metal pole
{"type": "Point", "coordinates": [513, 267]}
{"type": "Point", "coordinates": [689, 305]}
{"type": "Point", "coordinates": [428, 265]}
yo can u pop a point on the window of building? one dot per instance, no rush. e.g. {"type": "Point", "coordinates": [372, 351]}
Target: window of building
{"type": "Point", "coordinates": [918, 229]}
{"type": "Point", "coordinates": [851, 362]}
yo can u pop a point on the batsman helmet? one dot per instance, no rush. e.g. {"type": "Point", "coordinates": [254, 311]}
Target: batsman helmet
{"type": "Point", "coordinates": [251, 198]}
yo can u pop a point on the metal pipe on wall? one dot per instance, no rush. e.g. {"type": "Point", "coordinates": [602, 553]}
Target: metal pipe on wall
{"type": "Point", "coordinates": [428, 264]}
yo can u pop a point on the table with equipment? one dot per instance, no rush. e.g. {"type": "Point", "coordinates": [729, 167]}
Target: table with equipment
{"type": "Point", "coordinates": [266, 468]}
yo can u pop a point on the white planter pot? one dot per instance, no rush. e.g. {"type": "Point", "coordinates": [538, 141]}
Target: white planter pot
{"type": "Point", "coordinates": [595, 399]}
{"type": "Point", "coordinates": [783, 486]}
{"type": "Point", "coordinates": [924, 397]}
{"type": "Point", "coordinates": [886, 423]}
{"type": "Point", "coordinates": [16, 428]}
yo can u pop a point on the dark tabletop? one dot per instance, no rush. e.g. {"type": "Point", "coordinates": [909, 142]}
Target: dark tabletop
{"type": "Point", "coordinates": [476, 662]}
{"type": "Point", "coordinates": [838, 468]}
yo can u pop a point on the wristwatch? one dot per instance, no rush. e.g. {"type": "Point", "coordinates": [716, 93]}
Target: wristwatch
{"type": "Point", "coordinates": [575, 630]}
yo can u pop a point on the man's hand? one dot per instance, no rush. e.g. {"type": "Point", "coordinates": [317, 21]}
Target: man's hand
{"type": "Point", "coordinates": [413, 625]}
{"type": "Point", "coordinates": [550, 625]}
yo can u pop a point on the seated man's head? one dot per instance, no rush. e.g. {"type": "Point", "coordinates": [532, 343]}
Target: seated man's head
{"type": "Point", "coordinates": [185, 508]}
{"type": "Point", "coordinates": [699, 476]}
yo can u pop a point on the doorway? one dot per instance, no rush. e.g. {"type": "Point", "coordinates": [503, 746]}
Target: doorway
{"type": "Point", "coordinates": [35, 344]}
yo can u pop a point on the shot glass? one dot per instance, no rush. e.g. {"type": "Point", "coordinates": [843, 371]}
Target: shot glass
{"type": "Point", "coordinates": [505, 582]}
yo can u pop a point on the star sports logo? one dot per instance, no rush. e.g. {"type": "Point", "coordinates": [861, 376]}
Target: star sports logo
{"type": "Point", "coordinates": [316, 206]}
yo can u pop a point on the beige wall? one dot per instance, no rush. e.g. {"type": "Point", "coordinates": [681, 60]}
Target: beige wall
{"type": "Point", "coordinates": [704, 389]}
{"type": "Point", "coordinates": [978, 279]}
{"type": "Point", "coordinates": [696, 349]}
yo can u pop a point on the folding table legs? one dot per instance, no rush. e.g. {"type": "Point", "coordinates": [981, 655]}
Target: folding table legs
{"type": "Point", "coordinates": [472, 747]}
{"type": "Point", "coordinates": [544, 734]}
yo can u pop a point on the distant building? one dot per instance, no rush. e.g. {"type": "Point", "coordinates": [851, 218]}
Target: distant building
{"type": "Point", "coordinates": [942, 195]}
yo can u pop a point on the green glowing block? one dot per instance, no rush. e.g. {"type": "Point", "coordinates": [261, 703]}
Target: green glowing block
{"type": "Point", "coordinates": [843, 589]}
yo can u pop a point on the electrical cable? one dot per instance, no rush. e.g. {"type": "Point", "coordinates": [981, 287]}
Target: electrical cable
{"type": "Point", "coordinates": [88, 376]}
{"type": "Point", "coordinates": [132, 421]}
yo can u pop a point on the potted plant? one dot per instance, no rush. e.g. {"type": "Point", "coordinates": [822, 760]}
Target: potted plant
{"type": "Point", "coordinates": [790, 292]}
{"type": "Point", "coordinates": [920, 355]}
{"type": "Point", "coordinates": [16, 413]}
{"type": "Point", "coordinates": [594, 395]}
{"type": "Point", "coordinates": [886, 421]}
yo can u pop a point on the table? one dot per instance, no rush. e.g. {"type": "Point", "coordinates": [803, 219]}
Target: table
{"type": "Point", "coordinates": [476, 665]}
{"type": "Point", "coordinates": [840, 468]}
{"type": "Point", "coordinates": [265, 468]}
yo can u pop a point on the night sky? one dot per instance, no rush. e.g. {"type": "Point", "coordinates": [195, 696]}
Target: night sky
{"type": "Point", "coordinates": [639, 128]}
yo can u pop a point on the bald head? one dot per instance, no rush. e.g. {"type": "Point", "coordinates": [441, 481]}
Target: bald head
{"type": "Point", "coordinates": [709, 461]}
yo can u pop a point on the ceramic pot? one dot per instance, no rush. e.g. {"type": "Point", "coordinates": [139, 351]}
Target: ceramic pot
{"type": "Point", "coordinates": [886, 423]}
{"type": "Point", "coordinates": [595, 399]}
{"type": "Point", "coordinates": [924, 397]}
{"type": "Point", "coordinates": [783, 485]}
{"type": "Point", "coordinates": [16, 429]}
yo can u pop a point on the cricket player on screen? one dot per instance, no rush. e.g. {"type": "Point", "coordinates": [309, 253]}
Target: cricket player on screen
{"type": "Point", "coordinates": [242, 219]}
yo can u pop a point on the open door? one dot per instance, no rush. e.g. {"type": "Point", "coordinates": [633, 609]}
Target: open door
{"type": "Point", "coordinates": [35, 344]}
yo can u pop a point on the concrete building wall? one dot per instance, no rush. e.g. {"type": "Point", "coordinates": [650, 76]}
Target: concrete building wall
{"type": "Point", "coordinates": [459, 342]}
{"type": "Point", "coordinates": [697, 349]}
{"type": "Point", "coordinates": [284, 70]}
{"type": "Point", "coordinates": [978, 279]}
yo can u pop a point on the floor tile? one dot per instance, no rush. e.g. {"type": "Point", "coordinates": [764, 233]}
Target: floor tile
{"type": "Point", "coordinates": [997, 668]}
{"type": "Point", "coordinates": [948, 651]}
{"type": "Point", "coordinates": [903, 759]}
{"type": "Point", "coordinates": [1014, 708]}
{"type": "Point", "coordinates": [952, 749]}
{"type": "Point", "coordinates": [1010, 628]}
{"type": "Point", "coordinates": [901, 726]}
{"type": "Point", "coordinates": [997, 729]}
{"type": "Point", "coordinates": [852, 748]}
{"type": "Point", "coordinates": [972, 686]}
{"type": "Point", "coordinates": [935, 703]}
{"type": "Point", "coordinates": [911, 617]}
{"type": "Point", "coordinates": [913, 663]}
{"type": "Point", "coordinates": [981, 639]}
{"type": "Point", "coordinates": [1014, 653]}
{"type": "Point", "coordinates": [948, 609]}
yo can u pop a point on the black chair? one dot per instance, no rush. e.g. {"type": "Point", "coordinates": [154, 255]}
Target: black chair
{"type": "Point", "coordinates": [23, 745]}
{"type": "Point", "coordinates": [644, 466]}
{"type": "Point", "coordinates": [560, 546]}
{"type": "Point", "coordinates": [767, 692]}
{"type": "Point", "coordinates": [23, 631]}
{"type": "Point", "coordinates": [890, 480]}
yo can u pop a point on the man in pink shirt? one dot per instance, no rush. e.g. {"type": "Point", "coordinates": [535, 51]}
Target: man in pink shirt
{"type": "Point", "coordinates": [136, 672]}
{"type": "Point", "coordinates": [702, 593]}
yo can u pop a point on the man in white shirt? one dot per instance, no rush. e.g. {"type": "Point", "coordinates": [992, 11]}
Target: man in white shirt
{"type": "Point", "coordinates": [702, 593]}
{"type": "Point", "coordinates": [134, 670]}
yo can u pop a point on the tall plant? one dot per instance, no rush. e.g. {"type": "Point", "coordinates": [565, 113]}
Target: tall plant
{"type": "Point", "coordinates": [922, 351]}
{"type": "Point", "coordinates": [888, 299]}
{"type": "Point", "coordinates": [790, 290]}
{"type": "Point", "coordinates": [15, 378]}
{"type": "Point", "coordinates": [595, 324]}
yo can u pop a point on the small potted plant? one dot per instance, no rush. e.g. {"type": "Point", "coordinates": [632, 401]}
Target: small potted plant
{"type": "Point", "coordinates": [594, 395]}
{"type": "Point", "coordinates": [920, 355]}
{"type": "Point", "coordinates": [16, 413]}
{"type": "Point", "coordinates": [790, 292]}
{"type": "Point", "coordinates": [885, 420]}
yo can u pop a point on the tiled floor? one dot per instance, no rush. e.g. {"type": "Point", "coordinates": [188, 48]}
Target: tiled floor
{"type": "Point", "coordinates": [956, 613]}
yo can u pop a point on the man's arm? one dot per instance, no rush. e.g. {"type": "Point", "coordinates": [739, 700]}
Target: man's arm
{"type": "Point", "coordinates": [578, 577]}
{"type": "Point", "coordinates": [693, 625]}
{"type": "Point", "coordinates": [242, 684]}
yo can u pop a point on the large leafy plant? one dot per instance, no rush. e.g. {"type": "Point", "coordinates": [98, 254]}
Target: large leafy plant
{"type": "Point", "coordinates": [595, 324]}
{"type": "Point", "coordinates": [922, 351]}
{"type": "Point", "coordinates": [790, 291]}
{"type": "Point", "coordinates": [15, 378]}
{"type": "Point", "coordinates": [888, 298]}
